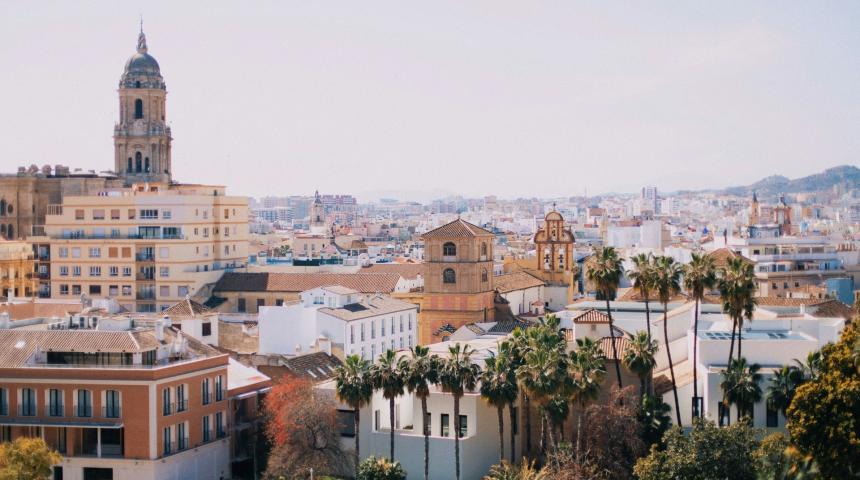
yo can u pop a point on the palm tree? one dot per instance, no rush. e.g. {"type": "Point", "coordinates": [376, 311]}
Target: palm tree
{"type": "Point", "coordinates": [667, 283]}
{"type": "Point", "coordinates": [737, 291]}
{"type": "Point", "coordinates": [640, 357]}
{"type": "Point", "coordinates": [353, 387]}
{"type": "Point", "coordinates": [557, 410]}
{"type": "Point", "coordinates": [741, 386]}
{"type": "Point", "coordinates": [811, 369]}
{"type": "Point", "coordinates": [520, 345]}
{"type": "Point", "coordinates": [587, 368]}
{"type": "Point", "coordinates": [541, 375]}
{"type": "Point", "coordinates": [458, 375]}
{"type": "Point", "coordinates": [499, 389]}
{"type": "Point", "coordinates": [605, 272]}
{"type": "Point", "coordinates": [700, 275]}
{"type": "Point", "coordinates": [642, 276]}
{"type": "Point", "coordinates": [654, 418]}
{"type": "Point", "coordinates": [782, 387]}
{"type": "Point", "coordinates": [386, 375]}
{"type": "Point", "coordinates": [419, 372]}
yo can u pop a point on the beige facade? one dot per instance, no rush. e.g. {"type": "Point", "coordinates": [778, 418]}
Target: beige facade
{"type": "Point", "coordinates": [148, 246]}
{"type": "Point", "coordinates": [16, 269]}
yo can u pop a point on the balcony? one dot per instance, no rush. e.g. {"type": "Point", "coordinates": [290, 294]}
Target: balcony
{"type": "Point", "coordinates": [220, 394]}
{"type": "Point", "coordinates": [84, 411]}
{"type": "Point", "coordinates": [56, 410]}
{"type": "Point", "coordinates": [145, 257]}
{"type": "Point", "coordinates": [168, 409]}
{"type": "Point", "coordinates": [113, 411]}
{"type": "Point", "coordinates": [27, 410]}
{"type": "Point", "coordinates": [146, 276]}
{"type": "Point", "coordinates": [182, 405]}
{"type": "Point", "coordinates": [146, 295]}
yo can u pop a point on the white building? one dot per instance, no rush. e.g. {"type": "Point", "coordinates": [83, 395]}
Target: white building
{"type": "Point", "coordinates": [365, 325]}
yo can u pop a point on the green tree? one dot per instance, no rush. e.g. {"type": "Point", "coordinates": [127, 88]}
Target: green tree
{"type": "Point", "coordinates": [519, 343]}
{"type": "Point", "coordinates": [587, 370]}
{"type": "Point", "coordinates": [770, 459]}
{"type": "Point", "coordinates": [642, 276]}
{"type": "Point", "coordinates": [783, 386]}
{"type": "Point", "coordinates": [640, 358]}
{"type": "Point", "coordinates": [354, 388]}
{"type": "Point", "coordinates": [499, 389]}
{"type": "Point", "coordinates": [373, 468]}
{"type": "Point", "coordinates": [27, 458]}
{"type": "Point", "coordinates": [387, 375]}
{"type": "Point", "coordinates": [654, 418]}
{"type": "Point", "coordinates": [811, 368]}
{"type": "Point", "coordinates": [700, 276]}
{"type": "Point", "coordinates": [525, 470]}
{"type": "Point", "coordinates": [705, 453]}
{"type": "Point", "coordinates": [737, 287]}
{"type": "Point", "coordinates": [605, 273]}
{"type": "Point", "coordinates": [419, 372]}
{"type": "Point", "coordinates": [458, 375]}
{"type": "Point", "coordinates": [667, 283]}
{"type": "Point", "coordinates": [824, 416]}
{"type": "Point", "coordinates": [741, 386]}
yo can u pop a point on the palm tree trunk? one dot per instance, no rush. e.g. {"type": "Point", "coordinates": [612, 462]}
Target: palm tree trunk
{"type": "Point", "coordinates": [426, 437]}
{"type": "Point", "coordinates": [647, 315]}
{"type": "Point", "coordinates": [641, 387]}
{"type": "Point", "coordinates": [500, 411]}
{"type": "Point", "coordinates": [457, 434]}
{"type": "Point", "coordinates": [513, 415]}
{"type": "Point", "coordinates": [614, 349]}
{"type": "Point", "coordinates": [740, 335]}
{"type": "Point", "coordinates": [695, 359]}
{"type": "Point", "coordinates": [528, 425]}
{"type": "Point", "coordinates": [357, 420]}
{"type": "Point", "coordinates": [542, 433]}
{"type": "Point", "coordinates": [669, 356]}
{"type": "Point", "coordinates": [550, 444]}
{"type": "Point", "coordinates": [732, 344]}
{"type": "Point", "coordinates": [391, 425]}
{"type": "Point", "coordinates": [579, 432]}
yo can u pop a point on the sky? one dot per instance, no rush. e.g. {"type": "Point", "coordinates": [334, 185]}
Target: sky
{"type": "Point", "coordinates": [422, 99]}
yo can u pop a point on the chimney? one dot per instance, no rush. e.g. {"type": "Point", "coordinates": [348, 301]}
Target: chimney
{"type": "Point", "coordinates": [802, 309]}
{"type": "Point", "coordinates": [324, 345]}
{"type": "Point", "coordinates": [167, 321]}
{"type": "Point", "coordinates": [159, 330]}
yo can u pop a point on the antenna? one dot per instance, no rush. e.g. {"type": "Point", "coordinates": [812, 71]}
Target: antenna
{"type": "Point", "coordinates": [141, 23]}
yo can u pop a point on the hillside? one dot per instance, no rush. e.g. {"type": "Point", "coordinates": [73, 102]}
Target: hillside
{"type": "Point", "coordinates": [776, 184]}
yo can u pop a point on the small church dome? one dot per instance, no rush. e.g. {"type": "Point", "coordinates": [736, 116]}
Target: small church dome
{"type": "Point", "coordinates": [141, 70]}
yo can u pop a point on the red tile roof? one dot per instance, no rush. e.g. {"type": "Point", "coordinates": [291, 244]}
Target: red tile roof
{"type": "Point", "coordinates": [457, 229]}
{"type": "Point", "coordinates": [621, 345]}
{"type": "Point", "coordinates": [300, 282]}
{"type": "Point", "coordinates": [591, 316]}
{"type": "Point", "coordinates": [516, 281]}
{"type": "Point", "coordinates": [409, 271]}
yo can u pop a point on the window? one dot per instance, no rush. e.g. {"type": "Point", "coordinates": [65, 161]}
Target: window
{"type": "Point", "coordinates": [166, 406]}
{"type": "Point", "coordinates": [401, 323]}
{"type": "Point", "coordinates": [27, 408]}
{"type": "Point", "coordinates": [113, 271]}
{"type": "Point", "coordinates": [112, 404]}
{"type": "Point", "coordinates": [373, 328]}
{"type": "Point", "coordinates": [76, 289]}
{"type": "Point", "coordinates": [126, 252]}
{"type": "Point", "coordinates": [76, 270]}
{"type": "Point", "coordinates": [261, 302]}
{"type": "Point", "coordinates": [181, 439]}
{"type": "Point", "coordinates": [138, 108]}
{"type": "Point", "coordinates": [149, 214]}
{"type": "Point", "coordinates": [182, 290]}
{"type": "Point", "coordinates": [79, 214]}
{"type": "Point", "coordinates": [64, 289]}
{"type": "Point", "coordinates": [126, 271]}
{"type": "Point", "coordinates": [219, 388]}
{"type": "Point", "coordinates": [449, 249]}
{"type": "Point", "coordinates": [98, 214]}
{"type": "Point", "coordinates": [64, 271]}
{"type": "Point", "coordinates": [444, 425]}
{"type": "Point", "coordinates": [114, 214]}
{"type": "Point", "coordinates": [383, 328]}
{"type": "Point", "coordinates": [95, 271]}
{"type": "Point", "coordinates": [205, 391]}
{"type": "Point", "coordinates": [126, 290]}
{"type": "Point", "coordinates": [484, 276]}
{"type": "Point", "coordinates": [448, 276]}
{"type": "Point", "coordinates": [484, 249]}
{"type": "Point", "coordinates": [164, 291]}
{"type": "Point", "coordinates": [113, 290]}
{"type": "Point", "coordinates": [207, 433]}
{"type": "Point", "coordinates": [464, 424]}
{"type": "Point", "coordinates": [4, 406]}
{"type": "Point", "coordinates": [63, 252]}
{"type": "Point", "coordinates": [241, 305]}
{"type": "Point", "coordinates": [206, 329]}
{"type": "Point", "coordinates": [723, 415]}
{"type": "Point", "coordinates": [410, 322]}
{"type": "Point", "coordinates": [95, 289]}
{"type": "Point", "coordinates": [55, 403]}
{"type": "Point", "coordinates": [166, 215]}
{"type": "Point", "coordinates": [219, 425]}
{"type": "Point", "coordinates": [85, 403]}
{"type": "Point", "coordinates": [181, 398]}
{"type": "Point", "coordinates": [352, 334]}
{"type": "Point", "coordinates": [166, 445]}
{"type": "Point", "coordinates": [362, 334]}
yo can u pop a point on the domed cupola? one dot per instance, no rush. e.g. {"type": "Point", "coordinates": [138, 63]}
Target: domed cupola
{"type": "Point", "coordinates": [141, 69]}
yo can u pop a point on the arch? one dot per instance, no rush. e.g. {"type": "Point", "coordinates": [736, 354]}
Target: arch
{"type": "Point", "coordinates": [483, 249]}
{"type": "Point", "coordinates": [130, 165]}
{"type": "Point", "coordinates": [138, 108]}
{"type": "Point", "coordinates": [484, 275]}
{"type": "Point", "coordinates": [9, 209]}
{"type": "Point", "coordinates": [449, 249]}
{"type": "Point", "coordinates": [3, 207]}
{"type": "Point", "coordinates": [10, 231]}
{"type": "Point", "coordinates": [146, 164]}
{"type": "Point", "coordinates": [138, 162]}
{"type": "Point", "coordinates": [449, 276]}
{"type": "Point", "coordinates": [2, 229]}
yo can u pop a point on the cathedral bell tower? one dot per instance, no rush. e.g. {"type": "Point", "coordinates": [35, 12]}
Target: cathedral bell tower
{"type": "Point", "coordinates": [141, 137]}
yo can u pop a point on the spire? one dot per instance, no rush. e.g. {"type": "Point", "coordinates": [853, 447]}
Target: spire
{"type": "Point", "coordinates": [755, 198]}
{"type": "Point", "coordinates": [141, 39]}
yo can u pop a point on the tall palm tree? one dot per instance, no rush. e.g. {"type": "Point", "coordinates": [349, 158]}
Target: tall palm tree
{"type": "Point", "coordinates": [458, 375]}
{"type": "Point", "coordinates": [667, 283]}
{"type": "Point", "coordinates": [642, 276]}
{"type": "Point", "coordinates": [543, 376]}
{"type": "Point", "coordinates": [587, 369]}
{"type": "Point", "coordinates": [700, 275]}
{"type": "Point", "coordinates": [386, 375]}
{"type": "Point", "coordinates": [737, 291]}
{"type": "Point", "coordinates": [811, 369]}
{"type": "Point", "coordinates": [558, 409]}
{"type": "Point", "coordinates": [654, 418]}
{"type": "Point", "coordinates": [782, 387]}
{"type": "Point", "coordinates": [605, 272]}
{"type": "Point", "coordinates": [741, 386]}
{"type": "Point", "coordinates": [499, 389]}
{"type": "Point", "coordinates": [640, 357]}
{"type": "Point", "coordinates": [353, 387]}
{"type": "Point", "coordinates": [519, 346]}
{"type": "Point", "coordinates": [419, 372]}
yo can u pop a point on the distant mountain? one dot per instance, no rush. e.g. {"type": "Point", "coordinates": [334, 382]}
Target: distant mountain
{"type": "Point", "coordinates": [848, 175]}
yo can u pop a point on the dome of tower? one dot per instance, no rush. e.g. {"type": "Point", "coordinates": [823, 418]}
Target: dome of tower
{"type": "Point", "coordinates": [142, 64]}
{"type": "Point", "coordinates": [142, 70]}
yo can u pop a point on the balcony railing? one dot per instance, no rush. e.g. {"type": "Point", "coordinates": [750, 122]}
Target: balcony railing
{"type": "Point", "coordinates": [56, 410]}
{"type": "Point", "coordinates": [4, 409]}
{"type": "Point", "coordinates": [182, 443]}
{"type": "Point", "coordinates": [220, 394]}
{"type": "Point", "coordinates": [84, 411]}
{"type": "Point", "coordinates": [145, 257]}
{"type": "Point", "coordinates": [207, 397]}
{"type": "Point", "coordinates": [27, 410]}
{"type": "Point", "coordinates": [112, 412]}
{"type": "Point", "coordinates": [220, 432]}
{"type": "Point", "coordinates": [182, 405]}
{"type": "Point", "coordinates": [168, 409]}
{"type": "Point", "coordinates": [145, 295]}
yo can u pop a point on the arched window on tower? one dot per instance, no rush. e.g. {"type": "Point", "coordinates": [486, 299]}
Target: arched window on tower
{"type": "Point", "coordinates": [138, 108]}
{"type": "Point", "coordinates": [138, 162]}
{"type": "Point", "coordinates": [146, 165]}
{"type": "Point", "coordinates": [483, 249]}
{"type": "Point", "coordinates": [3, 207]}
{"type": "Point", "coordinates": [129, 166]}
{"type": "Point", "coordinates": [449, 276]}
{"type": "Point", "coordinates": [484, 276]}
{"type": "Point", "coordinates": [137, 84]}
{"type": "Point", "coordinates": [10, 232]}
{"type": "Point", "coordinates": [449, 249]}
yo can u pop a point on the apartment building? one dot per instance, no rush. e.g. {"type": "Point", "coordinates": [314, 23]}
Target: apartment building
{"type": "Point", "coordinates": [147, 246]}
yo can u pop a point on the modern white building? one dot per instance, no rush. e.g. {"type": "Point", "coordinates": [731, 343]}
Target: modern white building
{"type": "Point", "coordinates": [355, 323]}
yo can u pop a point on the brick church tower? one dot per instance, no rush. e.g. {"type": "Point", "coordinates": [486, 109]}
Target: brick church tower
{"type": "Point", "coordinates": [458, 281]}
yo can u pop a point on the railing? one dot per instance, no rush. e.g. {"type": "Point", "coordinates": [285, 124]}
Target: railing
{"type": "Point", "coordinates": [145, 257]}
{"type": "Point", "coordinates": [220, 394]}
{"type": "Point", "coordinates": [207, 397]}
{"type": "Point", "coordinates": [112, 412]}
{"type": "Point", "coordinates": [146, 276]}
{"type": "Point", "coordinates": [207, 435]}
{"type": "Point", "coordinates": [220, 432]}
{"type": "Point", "coordinates": [84, 411]}
{"type": "Point", "coordinates": [182, 405]}
{"type": "Point", "coordinates": [169, 447]}
{"type": "Point", "coordinates": [27, 410]}
{"type": "Point", "coordinates": [4, 409]}
{"type": "Point", "coordinates": [145, 295]}
{"type": "Point", "coordinates": [182, 443]}
{"type": "Point", "coordinates": [167, 409]}
{"type": "Point", "coordinates": [56, 410]}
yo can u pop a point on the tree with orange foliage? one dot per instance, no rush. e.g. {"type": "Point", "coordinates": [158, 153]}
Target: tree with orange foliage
{"type": "Point", "coordinates": [302, 426]}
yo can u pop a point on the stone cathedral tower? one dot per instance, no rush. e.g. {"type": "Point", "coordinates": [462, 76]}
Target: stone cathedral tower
{"type": "Point", "coordinates": [142, 138]}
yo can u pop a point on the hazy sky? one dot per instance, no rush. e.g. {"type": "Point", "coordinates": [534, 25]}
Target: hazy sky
{"type": "Point", "coordinates": [506, 98]}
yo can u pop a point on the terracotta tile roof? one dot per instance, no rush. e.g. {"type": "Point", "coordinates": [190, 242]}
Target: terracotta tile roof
{"type": "Point", "coordinates": [621, 345]}
{"type": "Point", "coordinates": [318, 366]}
{"type": "Point", "coordinates": [516, 281]}
{"type": "Point", "coordinates": [21, 311]}
{"type": "Point", "coordinates": [16, 346]}
{"type": "Point", "coordinates": [445, 329]}
{"type": "Point", "coordinates": [632, 295]}
{"type": "Point", "coordinates": [377, 305]}
{"type": "Point", "coordinates": [300, 282]}
{"type": "Point", "coordinates": [187, 308]}
{"type": "Point", "coordinates": [457, 229]}
{"type": "Point", "coordinates": [775, 301]}
{"type": "Point", "coordinates": [408, 271]}
{"type": "Point", "coordinates": [339, 290]}
{"type": "Point", "coordinates": [721, 256]}
{"type": "Point", "coordinates": [833, 309]}
{"type": "Point", "coordinates": [591, 316]}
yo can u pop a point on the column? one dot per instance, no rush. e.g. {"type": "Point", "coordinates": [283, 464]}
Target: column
{"type": "Point", "coordinates": [99, 442]}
